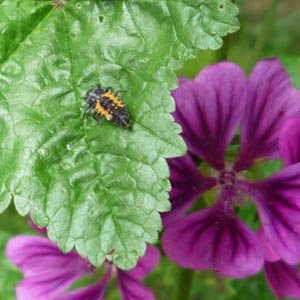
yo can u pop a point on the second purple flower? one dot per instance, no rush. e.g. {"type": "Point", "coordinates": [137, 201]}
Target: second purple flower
{"type": "Point", "coordinates": [218, 105]}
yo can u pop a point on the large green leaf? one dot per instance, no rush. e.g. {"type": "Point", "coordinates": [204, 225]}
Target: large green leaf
{"type": "Point", "coordinates": [98, 188]}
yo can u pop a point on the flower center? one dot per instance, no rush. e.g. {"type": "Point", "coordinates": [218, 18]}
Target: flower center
{"type": "Point", "coordinates": [227, 179]}
{"type": "Point", "coordinates": [231, 190]}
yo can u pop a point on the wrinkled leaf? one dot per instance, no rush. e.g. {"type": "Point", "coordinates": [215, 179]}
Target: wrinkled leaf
{"type": "Point", "coordinates": [98, 188]}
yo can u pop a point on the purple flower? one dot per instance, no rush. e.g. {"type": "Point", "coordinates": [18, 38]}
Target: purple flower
{"type": "Point", "coordinates": [49, 273]}
{"type": "Point", "coordinates": [283, 278]}
{"type": "Point", "coordinates": [211, 109]}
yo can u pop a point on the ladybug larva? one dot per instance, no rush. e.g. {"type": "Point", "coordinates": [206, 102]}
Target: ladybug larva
{"type": "Point", "coordinates": [105, 103]}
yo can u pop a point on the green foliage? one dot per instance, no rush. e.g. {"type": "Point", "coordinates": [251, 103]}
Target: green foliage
{"type": "Point", "coordinates": [207, 285]}
{"type": "Point", "coordinates": [251, 288]}
{"type": "Point", "coordinates": [98, 188]}
{"type": "Point", "coordinates": [292, 64]}
{"type": "Point", "coordinates": [9, 274]}
{"type": "Point", "coordinates": [264, 168]}
{"type": "Point", "coordinates": [166, 271]}
{"type": "Point", "coordinates": [10, 225]}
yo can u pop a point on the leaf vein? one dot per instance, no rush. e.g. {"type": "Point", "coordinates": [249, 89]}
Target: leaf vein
{"type": "Point", "coordinates": [96, 164]}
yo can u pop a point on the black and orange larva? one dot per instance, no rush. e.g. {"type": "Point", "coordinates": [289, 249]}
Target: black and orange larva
{"type": "Point", "coordinates": [106, 104]}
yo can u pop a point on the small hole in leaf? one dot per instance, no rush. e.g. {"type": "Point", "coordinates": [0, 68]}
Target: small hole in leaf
{"type": "Point", "coordinates": [221, 6]}
{"type": "Point", "coordinates": [78, 5]}
{"type": "Point", "coordinates": [101, 19]}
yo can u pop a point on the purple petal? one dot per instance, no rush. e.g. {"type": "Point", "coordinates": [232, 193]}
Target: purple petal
{"type": "Point", "coordinates": [47, 271]}
{"type": "Point", "coordinates": [289, 141]}
{"type": "Point", "coordinates": [283, 279]}
{"type": "Point", "coordinates": [130, 281]}
{"type": "Point", "coordinates": [187, 185]}
{"type": "Point", "coordinates": [146, 263]}
{"type": "Point", "coordinates": [92, 292]}
{"type": "Point", "coordinates": [41, 230]}
{"type": "Point", "coordinates": [271, 100]}
{"type": "Point", "coordinates": [278, 201]}
{"type": "Point", "coordinates": [209, 110]}
{"type": "Point", "coordinates": [269, 253]}
{"type": "Point", "coordinates": [131, 288]}
{"type": "Point", "coordinates": [209, 239]}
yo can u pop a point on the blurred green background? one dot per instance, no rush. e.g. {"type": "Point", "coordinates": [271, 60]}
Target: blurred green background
{"type": "Point", "coordinates": [281, 39]}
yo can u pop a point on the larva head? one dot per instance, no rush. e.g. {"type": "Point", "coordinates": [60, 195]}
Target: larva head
{"type": "Point", "coordinates": [93, 94]}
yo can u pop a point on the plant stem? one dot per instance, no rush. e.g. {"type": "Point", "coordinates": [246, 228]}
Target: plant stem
{"type": "Point", "coordinates": [264, 33]}
{"type": "Point", "coordinates": [222, 53]}
{"type": "Point", "coordinates": [184, 283]}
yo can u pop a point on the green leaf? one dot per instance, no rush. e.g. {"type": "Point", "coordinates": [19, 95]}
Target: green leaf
{"type": "Point", "coordinates": [98, 188]}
